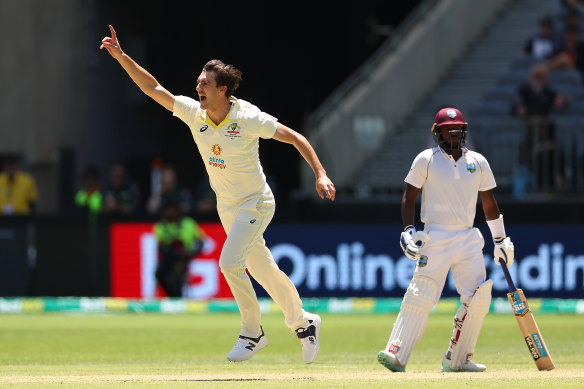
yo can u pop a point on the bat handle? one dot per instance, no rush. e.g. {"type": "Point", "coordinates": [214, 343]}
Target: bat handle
{"type": "Point", "coordinates": [510, 282]}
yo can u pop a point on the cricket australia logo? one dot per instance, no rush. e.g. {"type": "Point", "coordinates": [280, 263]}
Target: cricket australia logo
{"type": "Point", "coordinates": [234, 131]}
{"type": "Point", "coordinates": [217, 162]}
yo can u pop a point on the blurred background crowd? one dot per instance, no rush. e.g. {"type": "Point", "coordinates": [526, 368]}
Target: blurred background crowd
{"type": "Point", "coordinates": [79, 141]}
{"type": "Point", "coordinates": [526, 117]}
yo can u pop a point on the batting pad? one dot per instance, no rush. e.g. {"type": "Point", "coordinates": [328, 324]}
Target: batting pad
{"type": "Point", "coordinates": [471, 326]}
{"type": "Point", "coordinates": [413, 316]}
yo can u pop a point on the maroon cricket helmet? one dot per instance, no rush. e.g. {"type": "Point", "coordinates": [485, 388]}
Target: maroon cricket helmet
{"type": "Point", "coordinates": [447, 116]}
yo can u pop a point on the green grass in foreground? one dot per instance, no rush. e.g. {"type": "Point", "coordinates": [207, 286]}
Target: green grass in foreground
{"type": "Point", "coordinates": [179, 351]}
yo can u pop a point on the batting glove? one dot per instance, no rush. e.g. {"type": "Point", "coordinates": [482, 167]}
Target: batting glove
{"type": "Point", "coordinates": [411, 241]}
{"type": "Point", "coordinates": [504, 251]}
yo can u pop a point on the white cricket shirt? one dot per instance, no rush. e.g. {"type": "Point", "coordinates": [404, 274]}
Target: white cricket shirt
{"type": "Point", "coordinates": [450, 188]}
{"type": "Point", "coordinates": [230, 150]}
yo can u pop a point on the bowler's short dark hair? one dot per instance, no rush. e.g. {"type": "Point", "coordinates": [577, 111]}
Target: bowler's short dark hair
{"type": "Point", "coordinates": [225, 75]}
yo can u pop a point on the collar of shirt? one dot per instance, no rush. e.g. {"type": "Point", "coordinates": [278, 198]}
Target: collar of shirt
{"type": "Point", "coordinates": [232, 114]}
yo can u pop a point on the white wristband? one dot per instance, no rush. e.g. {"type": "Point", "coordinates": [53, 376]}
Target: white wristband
{"type": "Point", "coordinates": [497, 228]}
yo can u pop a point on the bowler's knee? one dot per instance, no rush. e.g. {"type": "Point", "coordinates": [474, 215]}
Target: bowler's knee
{"type": "Point", "coordinates": [229, 266]}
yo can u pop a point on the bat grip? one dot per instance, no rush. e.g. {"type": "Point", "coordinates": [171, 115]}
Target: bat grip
{"type": "Point", "coordinates": [512, 287]}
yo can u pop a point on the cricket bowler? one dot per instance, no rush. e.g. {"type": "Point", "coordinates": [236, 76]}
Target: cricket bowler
{"type": "Point", "coordinates": [450, 177]}
{"type": "Point", "coordinates": [226, 131]}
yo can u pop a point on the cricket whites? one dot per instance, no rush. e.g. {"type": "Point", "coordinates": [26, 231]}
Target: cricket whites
{"type": "Point", "coordinates": [535, 343]}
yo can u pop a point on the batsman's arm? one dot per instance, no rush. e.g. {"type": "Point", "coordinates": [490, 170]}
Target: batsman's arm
{"type": "Point", "coordinates": [490, 206]}
{"type": "Point", "coordinates": [408, 205]}
{"type": "Point", "coordinates": [145, 81]}
{"type": "Point", "coordinates": [504, 248]}
{"type": "Point", "coordinates": [324, 186]}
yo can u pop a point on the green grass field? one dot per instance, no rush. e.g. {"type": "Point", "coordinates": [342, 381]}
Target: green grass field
{"type": "Point", "coordinates": [183, 351]}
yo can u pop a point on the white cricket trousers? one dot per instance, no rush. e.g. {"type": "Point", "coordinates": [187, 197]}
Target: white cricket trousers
{"type": "Point", "coordinates": [245, 222]}
{"type": "Point", "coordinates": [454, 248]}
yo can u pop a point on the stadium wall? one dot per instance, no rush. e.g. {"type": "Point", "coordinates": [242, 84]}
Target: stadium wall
{"type": "Point", "coordinates": [355, 120]}
{"type": "Point", "coordinates": [56, 257]}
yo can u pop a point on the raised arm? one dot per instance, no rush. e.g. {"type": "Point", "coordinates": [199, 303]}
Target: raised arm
{"type": "Point", "coordinates": [324, 186]}
{"type": "Point", "coordinates": [145, 81]}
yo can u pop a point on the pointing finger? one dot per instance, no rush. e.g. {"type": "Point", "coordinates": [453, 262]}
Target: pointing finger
{"type": "Point", "coordinates": [114, 36]}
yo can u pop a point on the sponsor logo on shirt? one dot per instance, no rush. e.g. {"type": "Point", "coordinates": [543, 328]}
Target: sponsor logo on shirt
{"type": "Point", "coordinates": [204, 128]}
{"type": "Point", "coordinates": [234, 131]}
{"type": "Point", "coordinates": [217, 162]}
{"type": "Point", "coordinates": [216, 149]}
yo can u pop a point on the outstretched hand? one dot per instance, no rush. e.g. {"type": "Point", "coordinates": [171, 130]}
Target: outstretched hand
{"type": "Point", "coordinates": [325, 188]}
{"type": "Point", "coordinates": [111, 44]}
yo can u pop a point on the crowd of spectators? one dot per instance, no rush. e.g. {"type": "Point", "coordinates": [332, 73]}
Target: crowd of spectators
{"type": "Point", "coordinates": [557, 45]}
{"type": "Point", "coordinates": [119, 196]}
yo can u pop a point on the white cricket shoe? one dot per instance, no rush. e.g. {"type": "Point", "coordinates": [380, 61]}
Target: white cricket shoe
{"type": "Point", "coordinates": [309, 337]}
{"type": "Point", "coordinates": [246, 347]}
{"type": "Point", "coordinates": [468, 366]}
{"type": "Point", "coordinates": [390, 361]}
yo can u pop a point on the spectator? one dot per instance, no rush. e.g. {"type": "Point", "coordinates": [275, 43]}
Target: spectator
{"type": "Point", "coordinates": [170, 189]}
{"type": "Point", "coordinates": [90, 198]}
{"type": "Point", "coordinates": [121, 196]}
{"type": "Point", "coordinates": [534, 102]}
{"type": "Point", "coordinates": [536, 98]}
{"type": "Point", "coordinates": [570, 55]}
{"type": "Point", "coordinates": [18, 191]}
{"type": "Point", "coordinates": [544, 43]}
{"type": "Point", "coordinates": [179, 239]}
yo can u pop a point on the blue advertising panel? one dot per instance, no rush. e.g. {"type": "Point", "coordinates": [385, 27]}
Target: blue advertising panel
{"type": "Point", "coordinates": [366, 260]}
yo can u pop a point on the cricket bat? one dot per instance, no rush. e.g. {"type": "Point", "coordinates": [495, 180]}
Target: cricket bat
{"type": "Point", "coordinates": [535, 343]}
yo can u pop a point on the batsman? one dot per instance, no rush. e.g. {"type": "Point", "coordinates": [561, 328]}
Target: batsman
{"type": "Point", "coordinates": [450, 177]}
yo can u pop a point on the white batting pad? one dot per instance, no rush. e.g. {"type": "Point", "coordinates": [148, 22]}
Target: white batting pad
{"type": "Point", "coordinates": [413, 316]}
{"type": "Point", "coordinates": [470, 326]}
